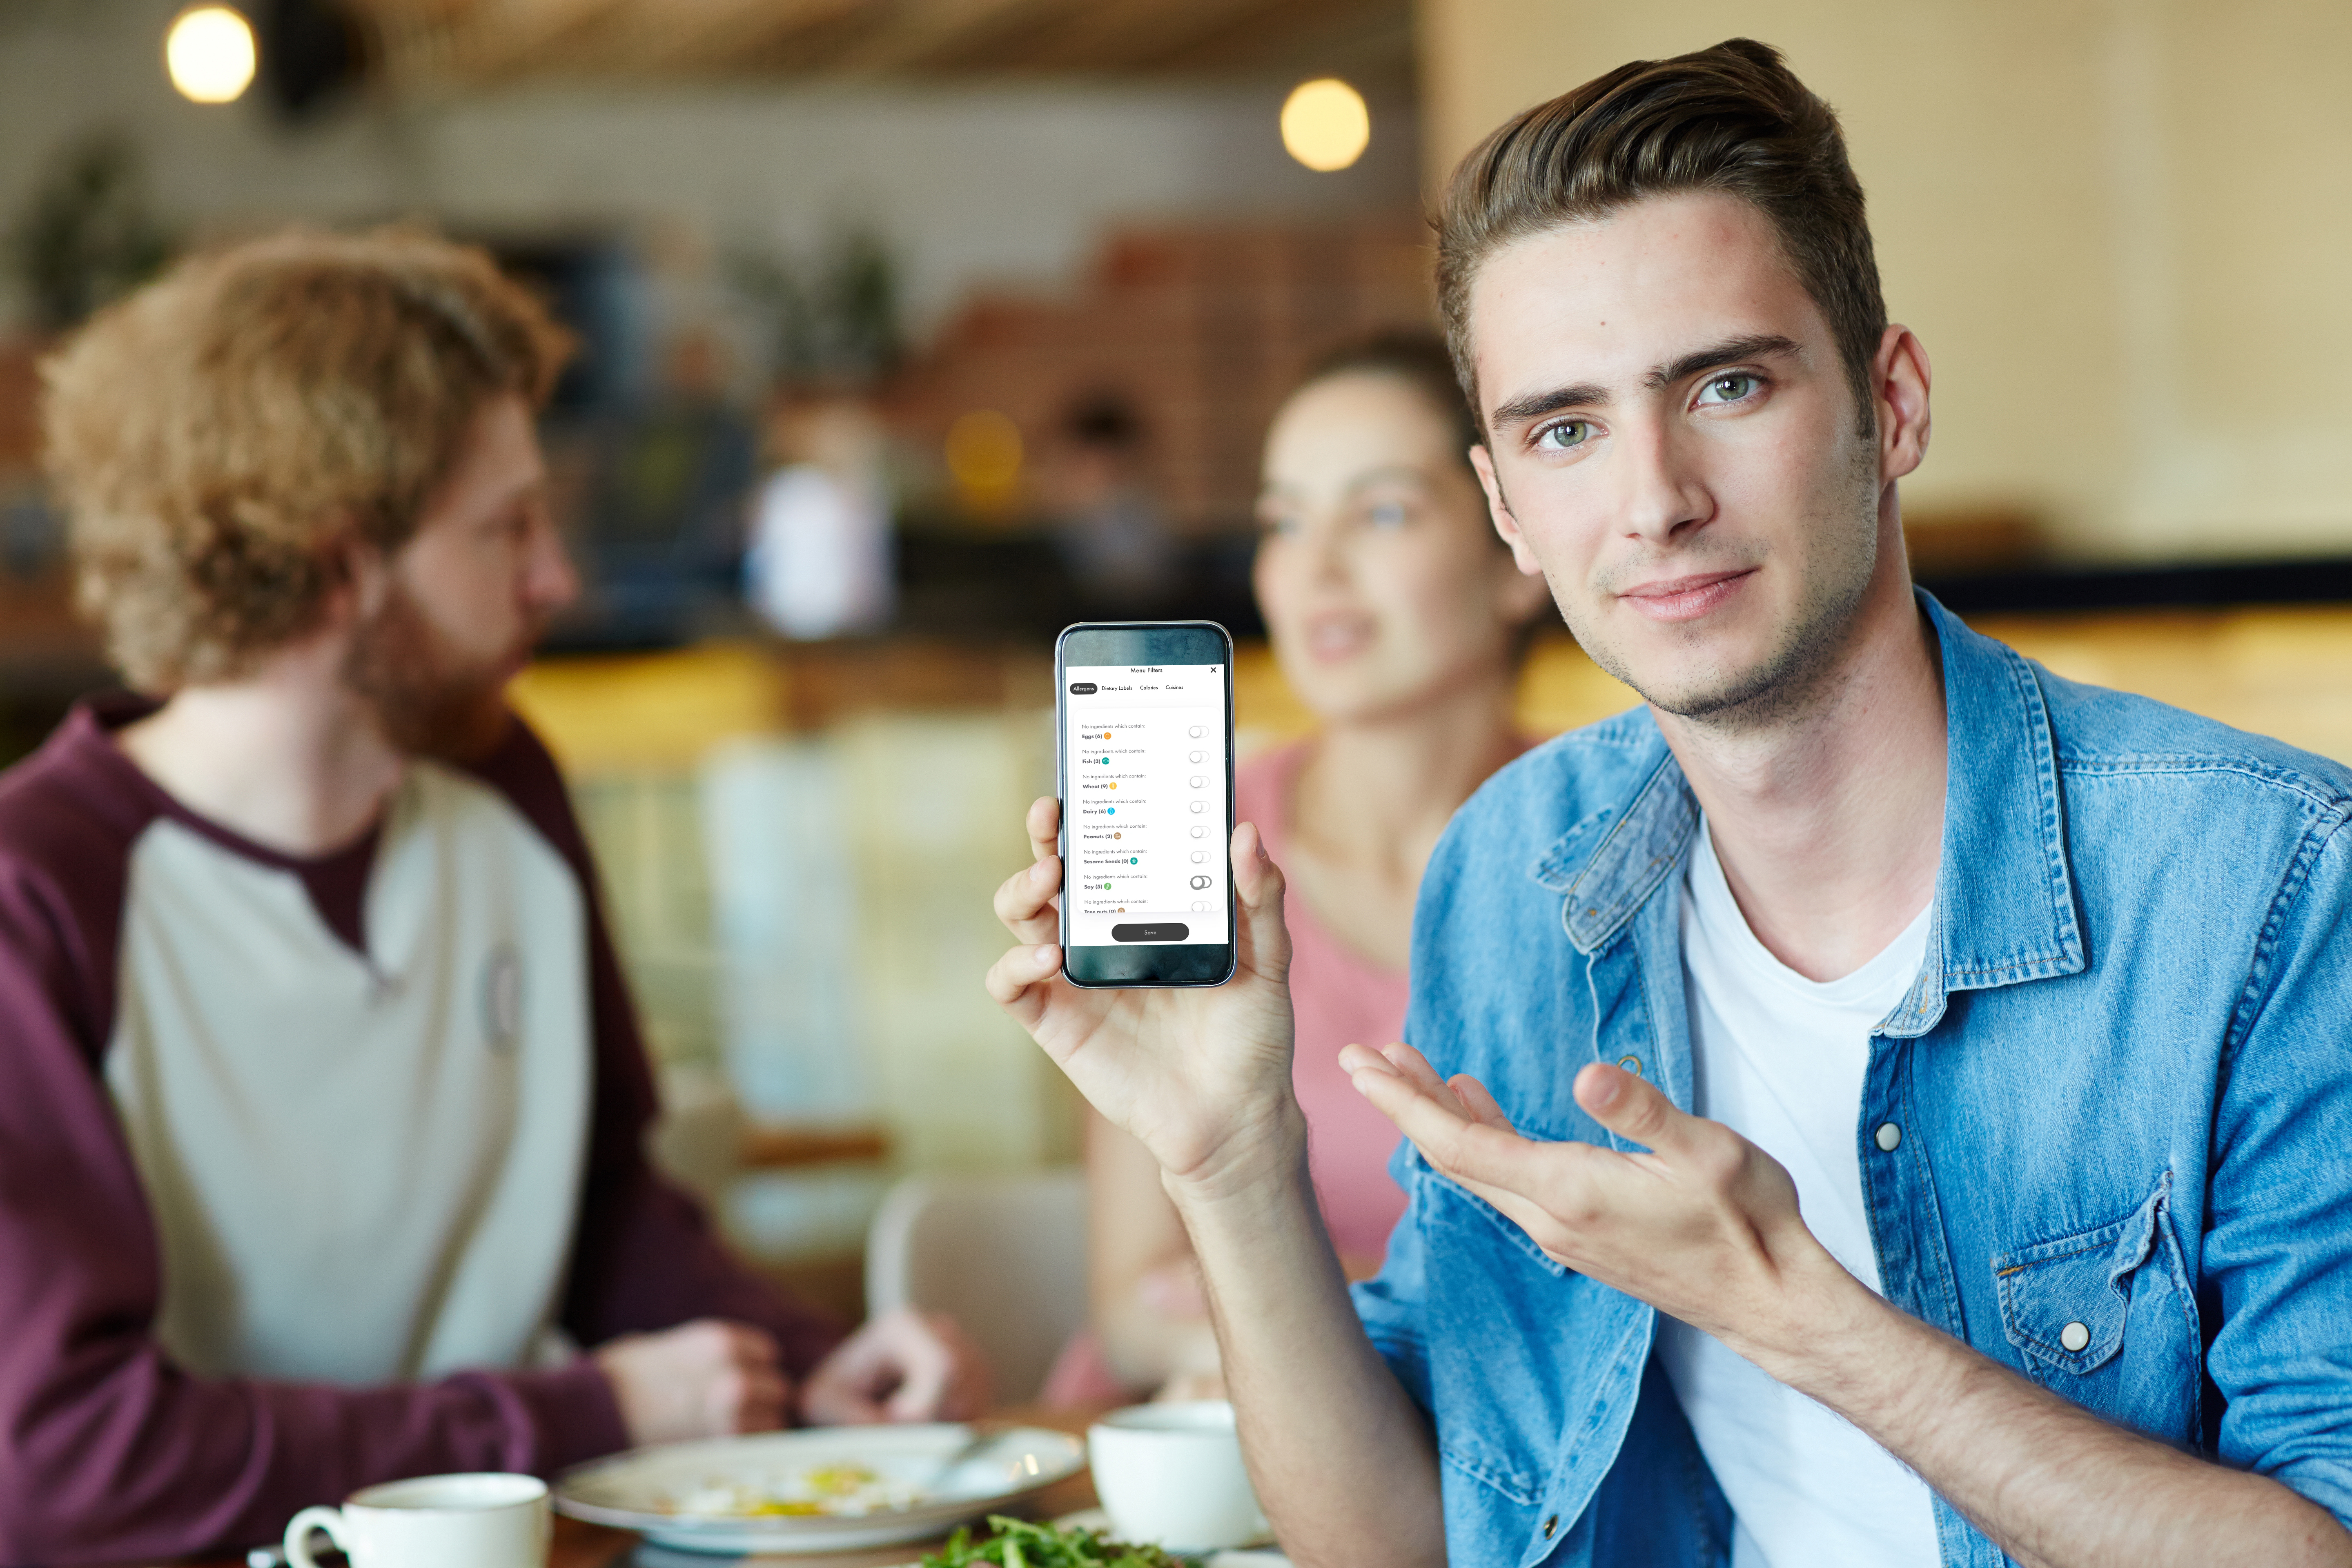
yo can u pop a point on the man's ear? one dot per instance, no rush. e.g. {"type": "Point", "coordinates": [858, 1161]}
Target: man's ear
{"type": "Point", "coordinates": [1498, 507]}
{"type": "Point", "coordinates": [362, 582]}
{"type": "Point", "coordinates": [1903, 377]}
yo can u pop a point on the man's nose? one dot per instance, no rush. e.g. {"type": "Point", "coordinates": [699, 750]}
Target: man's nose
{"type": "Point", "coordinates": [550, 581]}
{"type": "Point", "coordinates": [1661, 495]}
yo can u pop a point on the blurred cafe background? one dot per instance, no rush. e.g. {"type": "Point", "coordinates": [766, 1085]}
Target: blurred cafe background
{"type": "Point", "coordinates": [915, 329]}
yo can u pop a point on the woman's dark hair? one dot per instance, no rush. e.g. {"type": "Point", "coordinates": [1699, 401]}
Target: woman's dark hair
{"type": "Point", "coordinates": [1416, 356]}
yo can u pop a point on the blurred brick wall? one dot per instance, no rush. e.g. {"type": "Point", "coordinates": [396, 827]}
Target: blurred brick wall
{"type": "Point", "coordinates": [1202, 329]}
{"type": "Point", "coordinates": [20, 391]}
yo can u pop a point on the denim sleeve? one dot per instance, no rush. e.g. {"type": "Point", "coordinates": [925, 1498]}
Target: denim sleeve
{"type": "Point", "coordinates": [1390, 1302]}
{"type": "Point", "coordinates": [2278, 1248]}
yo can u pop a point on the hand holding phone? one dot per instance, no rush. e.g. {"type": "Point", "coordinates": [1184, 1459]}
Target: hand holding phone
{"type": "Point", "coordinates": [1202, 1074]}
{"type": "Point", "coordinates": [1159, 983]}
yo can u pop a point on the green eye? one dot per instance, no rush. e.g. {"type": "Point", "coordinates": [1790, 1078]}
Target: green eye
{"type": "Point", "coordinates": [1729, 388]}
{"type": "Point", "coordinates": [1566, 436]}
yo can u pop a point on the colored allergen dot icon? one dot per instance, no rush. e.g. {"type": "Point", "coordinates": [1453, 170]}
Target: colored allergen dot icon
{"type": "Point", "coordinates": [1111, 811]}
{"type": "Point", "coordinates": [1113, 784]}
{"type": "Point", "coordinates": [1132, 859]}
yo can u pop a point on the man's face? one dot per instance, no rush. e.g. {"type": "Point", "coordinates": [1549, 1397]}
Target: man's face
{"type": "Point", "coordinates": [1672, 440]}
{"type": "Point", "coordinates": [464, 602]}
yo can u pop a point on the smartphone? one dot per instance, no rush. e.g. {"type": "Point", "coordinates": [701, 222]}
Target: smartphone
{"type": "Point", "coordinates": [1144, 729]}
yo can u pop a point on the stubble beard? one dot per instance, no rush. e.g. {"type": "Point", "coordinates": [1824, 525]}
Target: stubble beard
{"type": "Point", "coordinates": [429, 700]}
{"type": "Point", "coordinates": [1805, 654]}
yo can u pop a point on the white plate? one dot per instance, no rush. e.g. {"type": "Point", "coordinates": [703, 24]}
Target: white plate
{"type": "Point", "coordinates": [634, 1490]}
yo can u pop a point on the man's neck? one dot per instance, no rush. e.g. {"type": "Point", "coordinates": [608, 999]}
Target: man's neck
{"type": "Point", "coordinates": [286, 756]}
{"type": "Point", "coordinates": [1828, 821]}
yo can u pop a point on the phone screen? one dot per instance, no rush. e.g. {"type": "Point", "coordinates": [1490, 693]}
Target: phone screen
{"type": "Point", "coordinates": [1147, 790]}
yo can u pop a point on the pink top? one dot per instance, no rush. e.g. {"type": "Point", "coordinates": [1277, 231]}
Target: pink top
{"type": "Point", "coordinates": [1340, 997]}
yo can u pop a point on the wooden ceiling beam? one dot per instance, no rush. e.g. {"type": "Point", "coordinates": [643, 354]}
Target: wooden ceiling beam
{"type": "Point", "coordinates": [508, 39]}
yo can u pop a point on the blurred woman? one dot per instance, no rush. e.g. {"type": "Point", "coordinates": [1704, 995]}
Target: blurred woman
{"type": "Point", "coordinates": [1397, 617]}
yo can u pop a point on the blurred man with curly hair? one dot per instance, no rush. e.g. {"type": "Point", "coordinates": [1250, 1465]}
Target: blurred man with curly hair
{"type": "Point", "coordinates": [322, 1099]}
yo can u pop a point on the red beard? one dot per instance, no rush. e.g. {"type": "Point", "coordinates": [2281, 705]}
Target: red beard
{"type": "Point", "coordinates": [430, 700]}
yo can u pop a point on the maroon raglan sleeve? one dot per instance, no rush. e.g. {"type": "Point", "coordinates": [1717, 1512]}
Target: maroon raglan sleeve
{"type": "Point", "coordinates": [645, 1257]}
{"type": "Point", "coordinates": [109, 1452]}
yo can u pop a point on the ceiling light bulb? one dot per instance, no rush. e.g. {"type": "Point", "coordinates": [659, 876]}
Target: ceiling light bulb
{"type": "Point", "coordinates": [1325, 124]}
{"type": "Point", "coordinates": [210, 54]}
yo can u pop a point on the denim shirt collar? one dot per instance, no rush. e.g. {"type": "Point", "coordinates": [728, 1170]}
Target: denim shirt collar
{"type": "Point", "coordinates": [2004, 907]}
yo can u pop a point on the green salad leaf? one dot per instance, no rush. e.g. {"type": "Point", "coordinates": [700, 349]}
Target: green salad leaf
{"type": "Point", "coordinates": [1017, 1543]}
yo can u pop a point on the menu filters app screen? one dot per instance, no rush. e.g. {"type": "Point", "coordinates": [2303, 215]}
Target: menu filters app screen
{"type": "Point", "coordinates": [1145, 773]}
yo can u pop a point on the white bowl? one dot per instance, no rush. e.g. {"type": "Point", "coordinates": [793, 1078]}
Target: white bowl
{"type": "Point", "coordinates": [1171, 1475]}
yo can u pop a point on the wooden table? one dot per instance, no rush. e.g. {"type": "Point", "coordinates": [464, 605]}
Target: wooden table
{"type": "Point", "coordinates": [579, 1546]}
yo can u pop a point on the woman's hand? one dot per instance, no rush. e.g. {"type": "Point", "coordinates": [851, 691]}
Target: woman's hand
{"type": "Point", "coordinates": [1201, 1075]}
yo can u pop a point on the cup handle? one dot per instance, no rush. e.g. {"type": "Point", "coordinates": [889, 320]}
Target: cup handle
{"type": "Point", "coordinates": [298, 1534]}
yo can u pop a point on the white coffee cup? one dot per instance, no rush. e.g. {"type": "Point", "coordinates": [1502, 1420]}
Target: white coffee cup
{"type": "Point", "coordinates": [1171, 1475]}
{"type": "Point", "coordinates": [485, 1520]}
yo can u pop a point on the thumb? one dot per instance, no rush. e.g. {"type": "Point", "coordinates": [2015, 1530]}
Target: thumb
{"type": "Point", "coordinates": [1633, 1108]}
{"type": "Point", "coordinates": [1258, 889]}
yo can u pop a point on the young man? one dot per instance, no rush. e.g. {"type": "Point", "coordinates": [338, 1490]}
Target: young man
{"type": "Point", "coordinates": [1897, 1098]}
{"type": "Point", "coordinates": [320, 1095]}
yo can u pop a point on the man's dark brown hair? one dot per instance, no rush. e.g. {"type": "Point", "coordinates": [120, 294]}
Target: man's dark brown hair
{"type": "Point", "coordinates": [1732, 119]}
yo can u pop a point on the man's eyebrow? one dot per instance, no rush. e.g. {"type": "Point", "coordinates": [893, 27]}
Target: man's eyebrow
{"type": "Point", "coordinates": [1536, 404]}
{"type": "Point", "coordinates": [1754, 345]}
{"type": "Point", "coordinates": [1592, 395]}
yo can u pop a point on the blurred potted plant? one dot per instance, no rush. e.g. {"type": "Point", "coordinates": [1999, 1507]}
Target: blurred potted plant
{"type": "Point", "coordinates": [86, 235]}
{"type": "Point", "coordinates": [831, 319]}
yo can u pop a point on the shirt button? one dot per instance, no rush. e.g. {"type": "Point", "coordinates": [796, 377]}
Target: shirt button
{"type": "Point", "coordinates": [1631, 1064]}
{"type": "Point", "coordinates": [2075, 1336]}
{"type": "Point", "coordinates": [1550, 1523]}
{"type": "Point", "coordinates": [1889, 1135]}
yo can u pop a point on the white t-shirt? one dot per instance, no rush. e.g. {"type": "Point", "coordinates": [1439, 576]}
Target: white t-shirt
{"type": "Point", "coordinates": [1780, 1058]}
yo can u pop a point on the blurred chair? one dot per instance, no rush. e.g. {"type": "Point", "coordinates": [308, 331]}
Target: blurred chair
{"type": "Point", "coordinates": [1005, 1256]}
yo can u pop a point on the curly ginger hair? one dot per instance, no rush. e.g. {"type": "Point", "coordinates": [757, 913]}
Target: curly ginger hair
{"type": "Point", "coordinates": [222, 437]}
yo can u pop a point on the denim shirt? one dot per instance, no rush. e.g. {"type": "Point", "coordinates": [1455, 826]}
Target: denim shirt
{"type": "Point", "coordinates": [2105, 1138]}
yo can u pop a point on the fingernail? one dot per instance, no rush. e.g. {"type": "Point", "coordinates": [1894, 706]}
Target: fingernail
{"type": "Point", "coordinates": [1606, 1090]}
{"type": "Point", "coordinates": [1045, 953]}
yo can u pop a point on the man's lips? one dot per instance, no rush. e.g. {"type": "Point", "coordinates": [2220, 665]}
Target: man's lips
{"type": "Point", "coordinates": [1686, 598]}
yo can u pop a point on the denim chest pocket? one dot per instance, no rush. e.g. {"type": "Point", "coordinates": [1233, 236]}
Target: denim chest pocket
{"type": "Point", "coordinates": [2106, 1317]}
{"type": "Point", "coordinates": [1509, 1321]}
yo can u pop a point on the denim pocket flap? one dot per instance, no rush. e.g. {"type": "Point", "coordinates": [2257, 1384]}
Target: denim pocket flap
{"type": "Point", "coordinates": [1449, 1195]}
{"type": "Point", "coordinates": [2063, 1302]}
